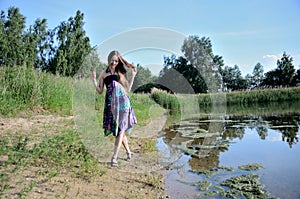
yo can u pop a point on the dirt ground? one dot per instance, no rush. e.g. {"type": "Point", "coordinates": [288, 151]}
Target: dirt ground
{"type": "Point", "coordinates": [142, 177]}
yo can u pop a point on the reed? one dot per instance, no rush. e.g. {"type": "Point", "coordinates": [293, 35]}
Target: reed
{"type": "Point", "coordinates": [264, 96]}
{"type": "Point", "coordinates": [170, 101]}
{"type": "Point", "coordinates": [28, 89]}
{"type": "Point", "coordinates": [165, 99]}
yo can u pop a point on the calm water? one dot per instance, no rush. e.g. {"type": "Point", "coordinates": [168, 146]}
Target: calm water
{"type": "Point", "coordinates": [260, 135]}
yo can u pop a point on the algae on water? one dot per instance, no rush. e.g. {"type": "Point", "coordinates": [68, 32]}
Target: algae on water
{"type": "Point", "coordinates": [244, 186]}
{"type": "Point", "coordinates": [251, 167]}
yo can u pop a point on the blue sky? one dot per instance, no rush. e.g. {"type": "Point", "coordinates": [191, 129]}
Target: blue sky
{"type": "Point", "coordinates": [243, 32]}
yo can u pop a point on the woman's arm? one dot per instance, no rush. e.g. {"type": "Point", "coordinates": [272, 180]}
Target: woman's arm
{"type": "Point", "coordinates": [130, 82]}
{"type": "Point", "coordinates": [98, 87]}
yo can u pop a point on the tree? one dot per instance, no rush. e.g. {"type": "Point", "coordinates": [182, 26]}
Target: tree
{"type": "Point", "coordinates": [232, 78]}
{"type": "Point", "coordinates": [90, 63]}
{"type": "Point", "coordinates": [73, 47]}
{"type": "Point", "coordinates": [11, 33]}
{"type": "Point", "coordinates": [181, 77]}
{"type": "Point", "coordinates": [296, 79]}
{"type": "Point", "coordinates": [283, 75]}
{"type": "Point", "coordinates": [286, 70]}
{"type": "Point", "coordinates": [257, 76]}
{"type": "Point", "coordinates": [19, 47]}
{"type": "Point", "coordinates": [29, 46]}
{"type": "Point", "coordinates": [199, 54]}
{"type": "Point", "coordinates": [42, 43]}
{"type": "Point", "coordinates": [142, 77]}
{"type": "Point", "coordinates": [3, 40]}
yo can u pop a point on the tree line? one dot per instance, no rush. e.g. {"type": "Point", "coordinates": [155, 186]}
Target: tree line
{"type": "Point", "coordinates": [206, 72]}
{"type": "Point", "coordinates": [61, 50]}
{"type": "Point", "coordinates": [66, 51]}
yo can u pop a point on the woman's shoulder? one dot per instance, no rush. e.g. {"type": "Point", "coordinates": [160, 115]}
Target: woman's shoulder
{"type": "Point", "coordinates": [104, 74]}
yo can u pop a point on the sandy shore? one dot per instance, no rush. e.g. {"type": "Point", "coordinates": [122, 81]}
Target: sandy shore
{"type": "Point", "coordinates": [142, 177]}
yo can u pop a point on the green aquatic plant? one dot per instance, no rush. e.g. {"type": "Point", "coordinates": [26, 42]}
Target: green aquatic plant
{"type": "Point", "coordinates": [208, 173]}
{"type": "Point", "coordinates": [250, 167]}
{"type": "Point", "coordinates": [241, 186]}
{"type": "Point", "coordinates": [247, 186]}
{"type": "Point", "coordinates": [202, 184]}
{"type": "Point", "coordinates": [230, 169]}
{"type": "Point", "coordinates": [211, 193]}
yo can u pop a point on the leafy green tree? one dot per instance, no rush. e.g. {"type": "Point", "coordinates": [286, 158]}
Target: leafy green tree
{"type": "Point", "coordinates": [296, 79]}
{"type": "Point", "coordinates": [285, 70]}
{"type": "Point", "coordinates": [232, 78]}
{"type": "Point", "coordinates": [283, 75]}
{"type": "Point", "coordinates": [257, 76]}
{"type": "Point", "coordinates": [3, 40]}
{"type": "Point", "coordinates": [18, 47]}
{"type": "Point", "coordinates": [91, 62]}
{"type": "Point", "coordinates": [270, 79]}
{"type": "Point", "coordinates": [29, 46]}
{"type": "Point", "coordinates": [42, 43]}
{"type": "Point", "coordinates": [12, 28]}
{"type": "Point", "coordinates": [181, 77]}
{"type": "Point", "coordinates": [73, 47]}
{"type": "Point", "coordinates": [142, 77]}
{"type": "Point", "coordinates": [199, 54]}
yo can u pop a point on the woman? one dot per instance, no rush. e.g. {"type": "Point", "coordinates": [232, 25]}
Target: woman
{"type": "Point", "coordinates": [118, 115]}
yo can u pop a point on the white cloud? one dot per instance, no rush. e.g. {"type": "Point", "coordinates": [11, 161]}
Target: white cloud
{"type": "Point", "coordinates": [270, 61]}
{"type": "Point", "coordinates": [271, 57]}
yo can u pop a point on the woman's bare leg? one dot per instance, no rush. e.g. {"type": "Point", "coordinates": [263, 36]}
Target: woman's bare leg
{"type": "Point", "coordinates": [125, 144]}
{"type": "Point", "coordinates": [118, 143]}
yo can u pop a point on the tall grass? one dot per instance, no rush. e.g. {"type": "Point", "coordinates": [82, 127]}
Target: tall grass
{"type": "Point", "coordinates": [142, 104]}
{"type": "Point", "coordinates": [28, 89]}
{"type": "Point", "coordinates": [252, 97]}
{"type": "Point", "coordinates": [165, 99]}
{"type": "Point", "coordinates": [170, 101]}
{"type": "Point", "coordinates": [24, 89]}
{"type": "Point", "coordinates": [264, 95]}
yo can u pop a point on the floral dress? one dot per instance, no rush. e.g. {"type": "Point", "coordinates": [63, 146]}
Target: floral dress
{"type": "Point", "coordinates": [118, 113]}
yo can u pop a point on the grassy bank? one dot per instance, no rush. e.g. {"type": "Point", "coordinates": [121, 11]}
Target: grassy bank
{"type": "Point", "coordinates": [254, 96]}
{"type": "Point", "coordinates": [243, 98]}
{"type": "Point", "coordinates": [43, 153]}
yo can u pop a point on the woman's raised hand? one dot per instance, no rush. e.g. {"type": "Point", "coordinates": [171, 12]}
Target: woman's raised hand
{"type": "Point", "coordinates": [134, 69]}
{"type": "Point", "coordinates": [93, 75]}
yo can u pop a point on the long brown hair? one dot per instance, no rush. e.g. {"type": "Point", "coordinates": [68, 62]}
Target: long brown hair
{"type": "Point", "coordinates": [120, 68]}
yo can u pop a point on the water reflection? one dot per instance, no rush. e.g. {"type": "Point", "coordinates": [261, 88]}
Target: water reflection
{"type": "Point", "coordinates": [266, 134]}
{"type": "Point", "coordinates": [204, 138]}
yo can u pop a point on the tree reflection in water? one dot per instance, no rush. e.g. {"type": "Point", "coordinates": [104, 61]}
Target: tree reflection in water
{"type": "Point", "coordinates": [204, 138]}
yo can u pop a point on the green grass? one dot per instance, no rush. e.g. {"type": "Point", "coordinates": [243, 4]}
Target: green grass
{"type": "Point", "coordinates": [24, 89]}
{"type": "Point", "coordinates": [142, 104]}
{"type": "Point", "coordinates": [251, 97]}
{"type": "Point", "coordinates": [55, 153]}
{"type": "Point", "coordinates": [166, 100]}
{"type": "Point", "coordinates": [149, 146]}
{"type": "Point", "coordinates": [71, 147]}
{"type": "Point", "coordinates": [179, 101]}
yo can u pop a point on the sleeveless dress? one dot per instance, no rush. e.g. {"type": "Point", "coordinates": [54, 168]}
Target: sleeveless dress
{"type": "Point", "coordinates": [118, 113]}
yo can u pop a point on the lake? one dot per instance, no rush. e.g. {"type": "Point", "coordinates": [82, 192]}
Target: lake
{"type": "Point", "coordinates": [212, 148]}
